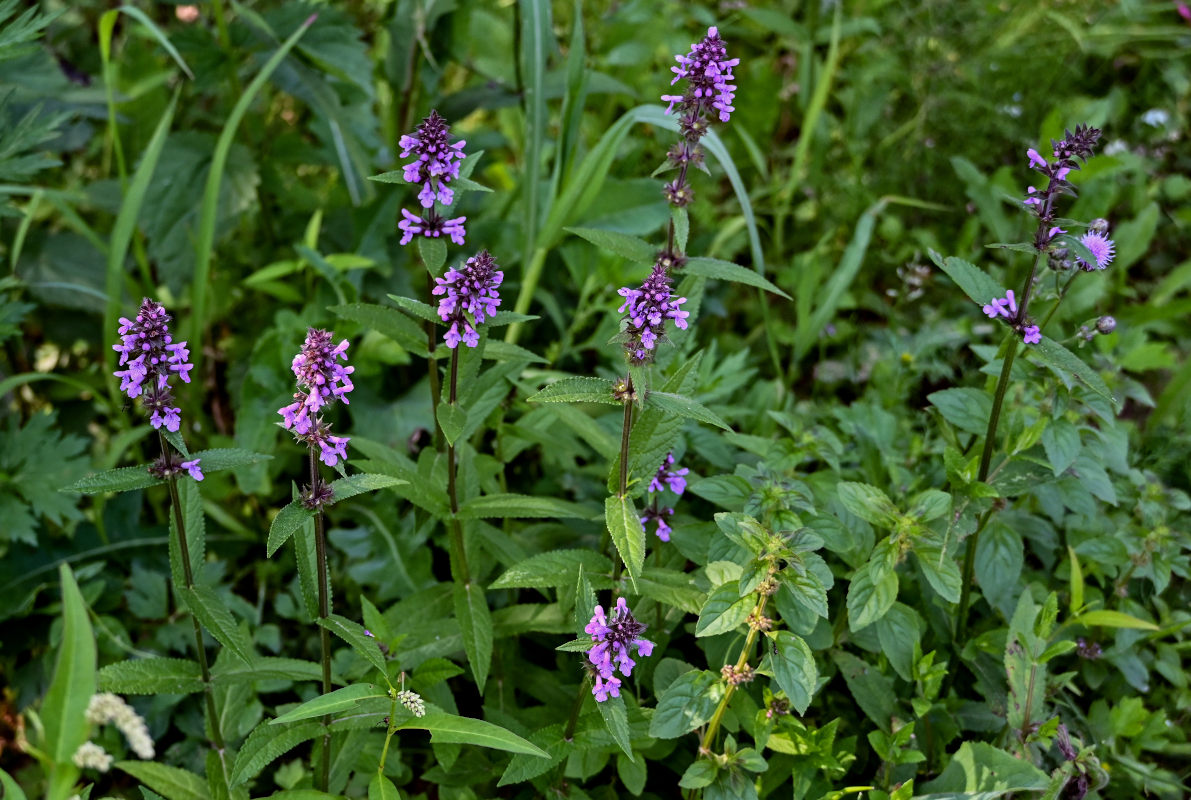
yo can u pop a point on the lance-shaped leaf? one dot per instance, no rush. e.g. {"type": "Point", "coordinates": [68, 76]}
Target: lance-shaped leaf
{"type": "Point", "coordinates": [335, 702]}
{"type": "Point", "coordinates": [621, 244]}
{"type": "Point", "coordinates": [577, 389]}
{"type": "Point", "coordinates": [727, 271]}
{"type": "Point", "coordinates": [452, 729]}
{"type": "Point", "coordinates": [210, 611]}
{"type": "Point", "coordinates": [353, 633]}
{"type": "Point", "coordinates": [628, 534]}
{"type": "Point", "coordinates": [686, 407]}
{"type": "Point", "coordinates": [152, 676]}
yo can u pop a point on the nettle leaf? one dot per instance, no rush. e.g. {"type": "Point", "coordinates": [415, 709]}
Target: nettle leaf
{"type": "Point", "coordinates": [727, 271]}
{"type": "Point", "coordinates": [360, 483]}
{"type": "Point", "coordinates": [551, 569]}
{"type": "Point", "coordinates": [979, 771]}
{"type": "Point", "coordinates": [794, 669]}
{"type": "Point", "coordinates": [452, 729]}
{"type": "Point", "coordinates": [340, 700]}
{"type": "Point", "coordinates": [416, 307]}
{"type": "Point", "coordinates": [214, 616]}
{"type": "Point", "coordinates": [433, 252]}
{"type": "Point", "coordinates": [685, 407]}
{"type": "Point", "coordinates": [288, 520]}
{"type": "Point", "coordinates": [576, 389]}
{"type": "Point", "coordinates": [899, 631]}
{"type": "Point", "coordinates": [475, 623]}
{"type": "Point", "coordinates": [388, 322]}
{"type": "Point", "coordinates": [940, 569]}
{"type": "Point", "coordinates": [1070, 367]}
{"type": "Point", "coordinates": [1060, 440]}
{"type": "Point", "coordinates": [869, 503]}
{"type": "Point", "coordinates": [451, 419]}
{"type": "Point", "coordinates": [268, 668]}
{"type": "Point", "coordinates": [267, 743]}
{"type": "Point", "coordinates": [621, 244]}
{"type": "Point", "coordinates": [872, 689]}
{"type": "Point", "coordinates": [521, 506]}
{"type": "Point", "coordinates": [686, 704]}
{"type": "Point", "coordinates": [671, 588]}
{"type": "Point", "coordinates": [724, 610]}
{"type": "Point", "coordinates": [628, 534]}
{"type": "Point", "coordinates": [359, 641]}
{"type": "Point", "coordinates": [152, 676]}
{"type": "Point", "coordinates": [975, 282]}
{"type": "Point", "coordinates": [228, 458]}
{"type": "Point", "coordinates": [616, 720]}
{"type": "Point", "coordinates": [172, 783]}
{"type": "Point", "coordinates": [930, 504]}
{"type": "Point", "coordinates": [121, 479]}
{"type": "Point", "coordinates": [966, 408]}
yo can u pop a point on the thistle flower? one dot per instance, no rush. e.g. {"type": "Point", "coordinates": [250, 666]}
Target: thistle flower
{"type": "Point", "coordinates": [1103, 249]}
{"type": "Point", "coordinates": [321, 381]}
{"type": "Point", "coordinates": [646, 311]}
{"type": "Point", "coordinates": [152, 358]}
{"type": "Point", "coordinates": [106, 707]}
{"type": "Point", "coordinates": [614, 639]}
{"type": "Point", "coordinates": [469, 297]}
{"type": "Point", "coordinates": [435, 165]}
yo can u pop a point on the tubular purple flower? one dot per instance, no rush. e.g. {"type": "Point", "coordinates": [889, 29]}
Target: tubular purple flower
{"type": "Point", "coordinates": [469, 297]}
{"type": "Point", "coordinates": [151, 357]}
{"type": "Point", "coordinates": [435, 165]}
{"type": "Point", "coordinates": [1031, 334]}
{"type": "Point", "coordinates": [432, 227]}
{"type": "Point", "coordinates": [674, 479]}
{"type": "Point", "coordinates": [193, 468]}
{"type": "Point", "coordinates": [1103, 249]}
{"type": "Point", "coordinates": [646, 311]}
{"type": "Point", "coordinates": [321, 381]}
{"type": "Point", "coordinates": [614, 638]}
{"type": "Point", "coordinates": [1002, 307]}
{"type": "Point", "coordinates": [657, 516]}
{"type": "Point", "coordinates": [708, 73]}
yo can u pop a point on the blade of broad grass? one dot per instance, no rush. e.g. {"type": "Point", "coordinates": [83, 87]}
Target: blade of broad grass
{"type": "Point", "coordinates": [122, 233]}
{"type": "Point", "coordinates": [18, 241]}
{"type": "Point", "coordinates": [535, 33]}
{"type": "Point", "coordinates": [210, 202]}
{"type": "Point", "coordinates": [158, 34]}
{"type": "Point", "coordinates": [573, 103]}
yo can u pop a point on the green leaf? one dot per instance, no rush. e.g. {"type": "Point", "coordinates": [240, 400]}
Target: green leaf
{"type": "Point", "coordinates": [794, 669]}
{"type": "Point", "coordinates": [171, 783]}
{"type": "Point", "coordinates": [576, 390]}
{"type": "Point", "coordinates": [433, 252]}
{"type": "Point", "coordinates": [288, 520]}
{"type": "Point", "coordinates": [388, 322]}
{"type": "Point", "coordinates": [899, 633]}
{"type": "Point", "coordinates": [475, 623]}
{"type": "Point", "coordinates": [616, 720]}
{"type": "Point", "coordinates": [1112, 619]}
{"type": "Point", "coordinates": [686, 704]}
{"type": "Point", "coordinates": [871, 688]}
{"type": "Point", "coordinates": [869, 503]}
{"type": "Point", "coordinates": [966, 408]}
{"type": "Point", "coordinates": [976, 283]}
{"type": "Point", "coordinates": [534, 45]}
{"type": "Point", "coordinates": [724, 610]}
{"type": "Point", "coordinates": [670, 587]}
{"type": "Point", "coordinates": [451, 419]}
{"type": "Point", "coordinates": [727, 271]}
{"type": "Point", "coordinates": [266, 743]}
{"type": "Point", "coordinates": [521, 506]}
{"type": "Point", "coordinates": [360, 483]}
{"type": "Point", "coordinates": [940, 570]}
{"type": "Point", "coordinates": [452, 729]}
{"type": "Point", "coordinates": [267, 668]}
{"type": "Point", "coordinates": [1070, 366]}
{"type": "Point", "coordinates": [554, 568]}
{"type": "Point", "coordinates": [497, 350]}
{"type": "Point", "coordinates": [628, 534]}
{"type": "Point", "coordinates": [980, 767]}
{"type": "Point", "coordinates": [381, 788]}
{"type": "Point", "coordinates": [228, 458]}
{"type": "Point", "coordinates": [121, 479]}
{"type": "Point", "coordinates": [868, 600]}
{"type": "Point", "coordinates": [209, 209]}
{"type": "Point", "coordinates": [344, 699]}
{"type": "Point", "coordinates": [12, 790]}
{"type": "Point", "coordinates": [210, 611]}
{"type": "Point", "coordinates": [65, 705]}
{"type": "Point", "coordinates": [621, 244]}
{"type": "Point", "coordinates": [416, 307]}
{"type": "Point", "coordinates": [354, 635]}
{"type": "Point", "coordinates": [151, 676]}
{"type": "Point", "coordinates": [1060, 440]}
{"type": "Point", "coordinates": [700, 774]}
{"type": "Point", "coordinates": [686, 407]}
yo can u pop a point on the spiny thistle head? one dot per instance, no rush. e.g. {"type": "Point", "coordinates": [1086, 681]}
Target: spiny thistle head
{"type": "Point", "coordinates": [469, 297]}
{"type": "Point", "coordinates": [151, 358]}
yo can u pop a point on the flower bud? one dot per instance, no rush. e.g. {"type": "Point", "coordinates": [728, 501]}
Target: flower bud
{"type": "Point", "coordinates": [1106, 324]}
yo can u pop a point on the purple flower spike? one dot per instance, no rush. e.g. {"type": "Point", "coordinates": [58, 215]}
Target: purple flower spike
{"type": "Point", "coordinates": [1103, 248]}
{"type": "Point", "coordinates": [469, 297]}
{"type": "Point", "coordinates": [708, 73]}
{"type": "Point", "coordinates": [614, 639]}
{"type": "Point", "coordinates": [1031, 334]}
{"type": "Point", "coordinates": [151, 357]}
{"type": "Point", "coordinates": [1002, 307]}
{"type": "Point", "coordinates": [658, 516]}
{"type": "Point", "coordinates": [675, 479]}
{"type": "Point", "coordinates": [646, 311]}
{"type": "Point", "coordinates": [1036, 160]}
{"type": "Point", "coordinates": [193, 468]}
{"type": "Point", "coordinates": [435, 165]}
{"type": "Point", "coordinates": [321, 381]}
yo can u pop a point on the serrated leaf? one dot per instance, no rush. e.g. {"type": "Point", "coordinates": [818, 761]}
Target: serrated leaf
{"type": "Point", "coordinates": [335, 702]}
{"type": "Point", "coordinates": [267, 668]}
{"type": "Point", "coordinates": [388, 322]}
{"type": "Point", "coordinates": [966, 408]}
{"type": "Point", "coordinates": [727, 271]}
{"type": "Point", "coordinates": [288, 520]}
{"type": "Point", "coordinates": [794, 669]}
{"type": "Point", "coordinates": [630, 247]}
{"type": "Point", "coordinates": [940, 570]}
{"type": "Point", "coordinates": [353, 634]}
{"type": "Point", "coordinates": [686, 407]}
{"type": "Point", "coordinates": [975, 282]}
{"type": "Point", "coordinates": [433, 252]}
{"type": "Point", "coordinates": [868, 502]}
{"type": "Point", "coordinates": [521, 506]}
{"type": "Point", "coordinates": [360, 483]}
{"type": "Point", "coordinates": [1070, 366]}
{"type": "Point", "coordinates": [475, 623]}
{"type": "Point", "coordinates": [449, 728]}
{"type": "Point", "coordinates": [671, 588]}
{"type": "Point", "coordinates": [1112, 619]}
{"type": "Point", "coordinates": [172, 783]}
{"type": "Point", "coordinates": [228, 458]}
{"type": "Point", "coordinates": [1060, 440]}
{"type": "Point", "coordinates": [417, 308]}
{"type": "Point", "coordinates": [616, 720]}
{"type": "Point", "coordinates": [686, 704]}
{"type": "Point", "coordinates": [152, 676]}
{"type": "Point", "coordinates": [724, 610]}
{"type": "Point", "coordinates": [497, 350]}
{"type": "Point", "coordinates": [121, 479]}
{"type": "Point", "coordinates": [868, 600]}
{"type": "Point", "coordinates": [266, 743]}
{"type": "Point", "coordinates": [551, 569]}
{"type": "Point", "coordinates": [628, 534]}
{"type": "Point", "coordinates": [576, 389]}
{"type": "Point", "coordinates": [451, 420]}
{"type": "Point", "coordinates": [210, 611]}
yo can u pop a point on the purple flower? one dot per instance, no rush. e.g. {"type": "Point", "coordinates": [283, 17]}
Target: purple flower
{"type": "Point", "coordinates": [614, 639]}
{"type": "Point", "coordinates": [469, 297]}
{"type": "Point", "coordinates": [1036, 160]}
{"type": "Point", "coordinates": [151, 357]}
{"type": "Point", "coordinates": [1102, 248]}
{"type": "Point", "coordinates": [321, 381]}
{"type": "Point", "coordinates": [435, 165]}
{"type": "Point", "coordinates": [675, 479]}
{"type": "Point", "coordinates": [1068, 153]}
{"type": "Point", "coordinates": [1031, 334]}
{"type": "Point", "coordinates": [657, 515]}
{"type": "Point", "coordinates": [193, 468]}
{"type": "Point", "coordinates": [646, 311]}
{"type": "Point", "coordinates": [708, 73]}
{"type": "Point", "coordinates": [1002, 307]}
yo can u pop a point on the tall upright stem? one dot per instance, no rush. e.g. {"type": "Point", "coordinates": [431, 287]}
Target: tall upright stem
{"type": "Point", "coordinates": [459, 568]}
{"type": "Point", "coordinates": [625, 432]}
{"type": "Point", "coordinates": [749, 642]}
{"type": "Point", "coordinates": [322, 778]}
{"type": "Point", "coordinates": [188, 575]}
{"type": "Point", "coordinates": [432, 364]}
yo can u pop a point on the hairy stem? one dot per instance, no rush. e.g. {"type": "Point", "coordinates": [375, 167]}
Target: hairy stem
{"type": "Point", "coordinates": [749, 642]}
{"type": "Point", "coordinates": [459, 568]}
{"type": "Point", "coordinates": [432, 364]}
{"type": "Point", "coordinates": [625, 432]}
{"type": "Point", "coordinates": [569, 733]}
{"type": "Point", "coordinates": [390, 729]}
{"type": "Point", "coordinates": [188, 574]}
{"type": "Point", "coordinates": [323, 775]}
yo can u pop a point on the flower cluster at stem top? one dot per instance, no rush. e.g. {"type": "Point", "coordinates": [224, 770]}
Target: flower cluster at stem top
{"type": "Point", "coordinates": [469, 296]}
{"type": "Point", "coordinates": [150, 358]}
{"type": "Point", "coordinates": [321, 381]}
{"type": "Point", "coordinates": [614, 638]}
{"type": "Point", "coordinates": [646, 311]}
{"type": "Point", "coordinates": [435, 165]}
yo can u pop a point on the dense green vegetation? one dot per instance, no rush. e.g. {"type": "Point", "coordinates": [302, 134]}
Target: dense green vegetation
{"type": "Point", "coordinates": [920, 544]}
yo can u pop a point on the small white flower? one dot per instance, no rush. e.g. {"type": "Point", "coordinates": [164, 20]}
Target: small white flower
{"type": "Point", "coordinates": [413, 702]}
{"type": "Point", "coordinates": [1156, 117]}
{"type": "Point", "coordinates": [92, 756]}
{"type": "Point", "coordinates": [106, 707]}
